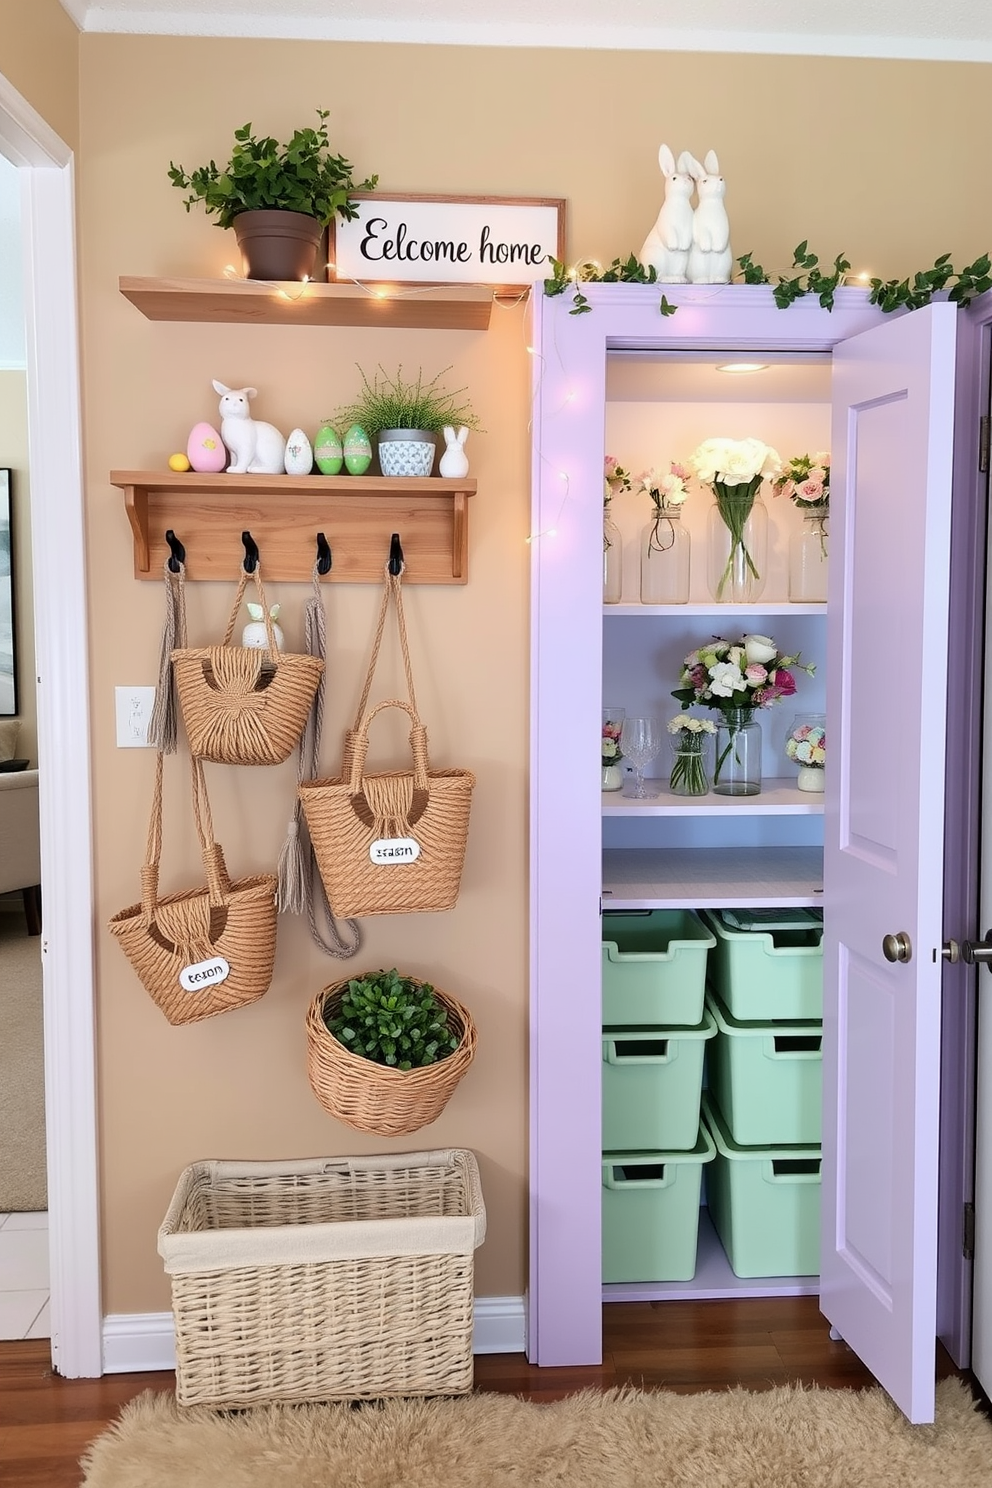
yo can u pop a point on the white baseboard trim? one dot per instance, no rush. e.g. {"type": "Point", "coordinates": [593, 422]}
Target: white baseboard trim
{"type": "Point", "coordinates": [135, 1342]}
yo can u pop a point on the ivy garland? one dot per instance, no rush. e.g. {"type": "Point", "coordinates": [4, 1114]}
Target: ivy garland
{"type": "Point", "coordinates": [888, 294]}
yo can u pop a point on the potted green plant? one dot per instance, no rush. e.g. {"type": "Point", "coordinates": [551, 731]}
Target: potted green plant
{"type": "Point", "coordinates": [404, 417]}
{"type": "Point", "coordinates": [385, 1051]}
{"type": "Point", "coordinates": [278, 198]}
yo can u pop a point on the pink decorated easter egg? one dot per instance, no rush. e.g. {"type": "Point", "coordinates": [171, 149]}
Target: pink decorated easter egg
{"type": "Point", "coordinates": [206, 450]}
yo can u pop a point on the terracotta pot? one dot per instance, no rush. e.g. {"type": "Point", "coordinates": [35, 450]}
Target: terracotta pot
{"type": "Point", "coordinates": [277, 245]}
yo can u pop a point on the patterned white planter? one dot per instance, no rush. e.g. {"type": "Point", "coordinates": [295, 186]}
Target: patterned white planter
{"type": "Point", "coordinates": [408, 452]}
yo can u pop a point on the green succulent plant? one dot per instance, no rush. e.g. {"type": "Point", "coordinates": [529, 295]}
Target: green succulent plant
{"type": "Point", "coordinates": [392, 1020]}
{"type": "Point", "coordinates": [301, 176]}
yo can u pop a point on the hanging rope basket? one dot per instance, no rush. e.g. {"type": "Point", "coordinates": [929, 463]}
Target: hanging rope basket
{"type": "Point", "coordinates": [373, 1097]}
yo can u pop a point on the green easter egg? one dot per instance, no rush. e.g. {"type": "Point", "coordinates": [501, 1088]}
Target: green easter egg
{"type": "Point", "coordinates": [357, 450]}
{"type": "Point", "coordinates": [327, 450]}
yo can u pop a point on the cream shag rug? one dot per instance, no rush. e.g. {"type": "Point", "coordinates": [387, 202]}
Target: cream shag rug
{"type": "Point", "coordinates": [781, 1438]}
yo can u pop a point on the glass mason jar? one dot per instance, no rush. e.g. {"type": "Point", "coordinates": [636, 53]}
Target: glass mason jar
{"type": "Point", "coordinates": [808, 553]}
{"type": "Point", "coordinates": [690, 764]}
{"type": "Point", "coordinates": [665, 558]}
{"type": "Point", "coordinates": [612, 562]}
{"type": "Point", "coordinates": [737, 552]}
{"type": "Point", "coordinates": [737, 749]}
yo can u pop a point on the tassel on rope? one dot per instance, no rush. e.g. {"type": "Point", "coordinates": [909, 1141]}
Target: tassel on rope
{"type": "Point", "coordinates": [163, 726]}
{"type": "Point", "coordinates": [291, 887]}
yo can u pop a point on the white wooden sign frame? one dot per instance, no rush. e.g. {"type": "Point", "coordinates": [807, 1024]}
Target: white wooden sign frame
{"type": "Point", "coordinates": [505, 241]}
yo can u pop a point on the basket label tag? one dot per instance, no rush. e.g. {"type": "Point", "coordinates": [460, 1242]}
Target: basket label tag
{"type": "Point", "coordinates": [203, 974]}
{"type": "Point", "coordinates": [392, 850]}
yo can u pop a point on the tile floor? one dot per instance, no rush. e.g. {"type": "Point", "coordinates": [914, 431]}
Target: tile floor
{"type": "Point", "coordinates": [24, 1276]}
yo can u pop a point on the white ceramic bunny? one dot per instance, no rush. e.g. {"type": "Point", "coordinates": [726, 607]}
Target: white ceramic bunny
{"type": "Point", "coordinates": [454, 461]}
{"type": "Point", "coordinates": [711, 258]}
{"type": "Point", "coordinates": [256, 448]}
{"type": "Point", "coordinates": [666, 247]}
{"type": "Point", "coordinates": [255, 636]}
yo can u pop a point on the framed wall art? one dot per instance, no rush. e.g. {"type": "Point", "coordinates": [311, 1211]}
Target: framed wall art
{"type": "Point", "coordinates": [8, 660]}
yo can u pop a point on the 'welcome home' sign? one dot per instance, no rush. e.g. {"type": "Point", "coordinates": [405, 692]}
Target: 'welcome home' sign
{"type": "Point", "coordinates": [502, 241]}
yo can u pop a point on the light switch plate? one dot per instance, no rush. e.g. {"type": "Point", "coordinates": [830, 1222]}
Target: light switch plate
{"type": "Point", "coordinates": [134, 711]}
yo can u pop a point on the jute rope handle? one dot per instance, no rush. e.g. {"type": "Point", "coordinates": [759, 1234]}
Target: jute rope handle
{"type": "Point", "coordinates": [163, 726]}
{"type": "Point", "coordinates": [218, 883]}
{"type": "Point", "coordinates": [418, 746]}
{"type": "Point", "coordinates": [300, 886]}
{"type": "Point", "coordinates": [239, 596]}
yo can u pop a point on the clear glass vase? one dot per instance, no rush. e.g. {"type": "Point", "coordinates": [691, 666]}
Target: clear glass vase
{"type": "Point", "coordinates": [737, 546]}
{"type": "Point", "coordinates": [737, 752]}
{"type": "Point", "coordinates": [612, 562]}
{"type": "Point", "coordinates": [665, 558]}
{"type": "Point", "coordinates": [690, 765]}
{"type": "Point", "coordinates": [808, 554]}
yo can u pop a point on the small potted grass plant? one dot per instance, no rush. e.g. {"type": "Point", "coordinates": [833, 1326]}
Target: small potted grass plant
{"type": "Point", "coordinates": [404, 416]}
{"type": "Point", "coordinates": [278, 198]}
{"type": "Point", "coordinates": [385, 1051]}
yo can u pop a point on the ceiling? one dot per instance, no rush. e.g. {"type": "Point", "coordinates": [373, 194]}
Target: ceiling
{"type": "Point", "coordinates": [949, 30]}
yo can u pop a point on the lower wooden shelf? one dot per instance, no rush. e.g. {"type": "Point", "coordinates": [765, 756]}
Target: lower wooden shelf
{"type": "Point", "coordinates": [713, 1278]}
{"type": "Point", "coordinates": [357, 513]}
{"type": "Point", "coordinates": [712, 877]}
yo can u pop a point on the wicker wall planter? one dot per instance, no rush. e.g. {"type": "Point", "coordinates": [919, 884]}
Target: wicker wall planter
{"type": "Point", "coordinates": [373, 1097]}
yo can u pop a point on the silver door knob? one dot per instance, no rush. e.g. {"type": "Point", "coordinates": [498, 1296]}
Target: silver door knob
{"type": "Point", "coordinates": [899, 947]}
{"type": "Point", "coordinates": [975, 952]}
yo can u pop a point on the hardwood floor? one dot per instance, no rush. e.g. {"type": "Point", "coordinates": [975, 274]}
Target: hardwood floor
{"type": "Point", "coordinates": [46, 1422]}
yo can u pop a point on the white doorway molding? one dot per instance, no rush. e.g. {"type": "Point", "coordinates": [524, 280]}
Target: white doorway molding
{"type": "Point", "coordinates": [58, 542]}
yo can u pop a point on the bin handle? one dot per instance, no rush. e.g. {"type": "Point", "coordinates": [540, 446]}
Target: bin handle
{"type": "Point", "coordinates": [615, 1177]}
{"type": "Point", "coordinates": [792, 1170]}
{"type": "Point", "coordinates": [794, 1046]}
{"type": "Point", "coordinates": [612, 1051]}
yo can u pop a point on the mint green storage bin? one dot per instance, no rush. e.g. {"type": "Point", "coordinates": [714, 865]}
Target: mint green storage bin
{"type": "Point", "coordinates": [764, 1203]}
{"type": "Point", "coordinates": [767, 973]}
{"type": "Point", "coordinates": [652, 1080]}
{"type": "Point", "coordinates": [651, 1212]}
{"type": "Point", "coordinates": [766, 1078]}
{"type": "Point", "coordinates": [654, 968]}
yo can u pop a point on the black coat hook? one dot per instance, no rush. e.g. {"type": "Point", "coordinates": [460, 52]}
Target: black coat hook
{"type": "Point", "coordinates": [251, 552]}
{"type": "Point", "coordinates": [323, 554]}
{"type": "Point", "coordinates": [395, 554]}
{"type": "Point", "coordinates": [177, 551]}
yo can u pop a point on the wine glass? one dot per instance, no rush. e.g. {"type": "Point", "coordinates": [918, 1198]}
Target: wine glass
{"type": "Point", "coordinates": [640, 740]}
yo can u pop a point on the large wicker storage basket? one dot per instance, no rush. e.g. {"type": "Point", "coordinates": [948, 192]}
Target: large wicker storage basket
{"type": "Point", "coordinates": [324, 1279]}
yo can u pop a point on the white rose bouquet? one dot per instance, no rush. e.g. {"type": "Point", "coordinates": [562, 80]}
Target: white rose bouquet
{"type": "Point", "coordinates": [668, 491]}
{"type": "Point", "coordinates": [734, 470]}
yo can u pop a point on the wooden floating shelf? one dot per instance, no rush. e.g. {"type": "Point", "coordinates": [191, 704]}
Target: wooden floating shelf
{"type": "Point", "coordinates": [249, 302]}
{"type": "Point", "coordinates": [357, 514]}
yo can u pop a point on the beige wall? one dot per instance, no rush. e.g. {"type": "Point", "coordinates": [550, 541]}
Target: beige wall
{"type": "Point", "coordinates": [14, 457]}
{"type": "Point", "coordinates": [856, 156]}
{"type": "Point", "coordinates": [39, 55]}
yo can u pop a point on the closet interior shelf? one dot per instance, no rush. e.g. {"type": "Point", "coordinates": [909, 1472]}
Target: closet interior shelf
{"type": "Point", "coordinates": [358, 513]}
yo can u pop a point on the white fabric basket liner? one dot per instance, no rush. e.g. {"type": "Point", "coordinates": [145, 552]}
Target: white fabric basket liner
{"type": "Point", "coordinates": [185, 1251]}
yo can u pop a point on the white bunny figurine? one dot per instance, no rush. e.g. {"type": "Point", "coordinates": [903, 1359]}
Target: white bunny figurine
{"type": "Point", "coordinates": [255, 636]}
{"type": "Point", "coordinates": [256, 448]}
{"type": "Point", "coordinates": [711, 258]}
{"type": "Point", "coordinates": [666, 247]}
{"type": "Point", "coordinates": [454, 461]}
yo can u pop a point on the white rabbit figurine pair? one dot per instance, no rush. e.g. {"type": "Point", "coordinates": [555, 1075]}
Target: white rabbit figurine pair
{"type": "Point", "coordinates": [256, 448]}
{"type": "Point", "coordinates": [454, 461]}
{"type": "Point", "coordinates": [688, 246]}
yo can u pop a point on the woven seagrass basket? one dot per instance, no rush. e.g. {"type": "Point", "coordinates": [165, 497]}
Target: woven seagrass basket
{"type": "Point", "coordinates": [240, 705]}
{"type": "Point", "coordinates": [337, 1278]}
{"type": "Point", "coordinates": [178, 943]}
{"type": "Point", "coordinates": [373, 1097]}
{"type": "Point", "coordinates": [395, 812]}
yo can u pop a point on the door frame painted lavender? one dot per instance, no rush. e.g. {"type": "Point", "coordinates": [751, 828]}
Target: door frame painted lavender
{"type": "Point", "coordinates": [569, 379]}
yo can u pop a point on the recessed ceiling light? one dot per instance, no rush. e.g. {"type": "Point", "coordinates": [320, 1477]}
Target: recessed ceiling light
{"type": "Point", "coordinates": [743, 367]}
